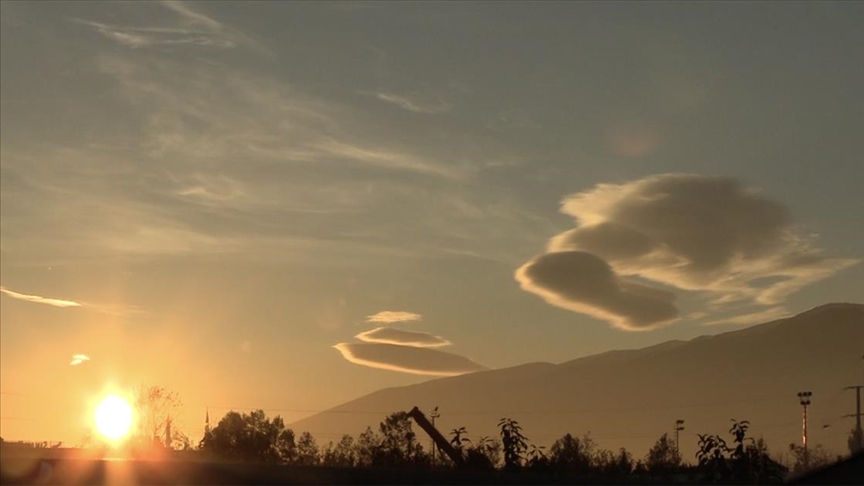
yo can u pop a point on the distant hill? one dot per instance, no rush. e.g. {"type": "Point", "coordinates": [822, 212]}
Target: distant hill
{"type": "Point", "coordinates": [629, 398]}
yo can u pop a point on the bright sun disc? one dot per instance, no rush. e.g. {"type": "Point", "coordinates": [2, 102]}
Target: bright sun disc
{"type": "Point", "coordinates": [113, 417]}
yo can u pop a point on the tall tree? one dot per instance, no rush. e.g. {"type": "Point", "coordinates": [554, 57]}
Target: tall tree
{"type": "Point", "coordinates": [248, 437]}
{"type": "Point", "coordinates": [157, 409]}
{"type": "Point", "coordinates": [663, 456]}
{"type": "Point", "coordinates": [307, 450]}
{"type": "Point", "coordinates": [572, 453]}
{"type": "Point", "coordinates": [366, 447]}
{"type": "Point", "coordinates": [513, 443]}
{"type": "Point", "coordinates": [399, 444]}
{"type": "Point", "coordinates": [342, 455]}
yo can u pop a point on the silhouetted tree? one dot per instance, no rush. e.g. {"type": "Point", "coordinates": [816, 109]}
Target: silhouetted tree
{"type": "Point", "coordinates": [712, 458]}
{"type": "Point", "coordinates": [342, 455]}
{"type": "Point", "coordinates": [623, 462]}
{"type": "Point", "coordinates": [537, 461]}
{"type": "Point", "coordinates": [366, 447]}
{"type": "Point", "coordinates": [572, 454]}
{"type": "Point", "coordinates": [746, 462]}
{"type": "Point", "coordinates": [156, 410]}
{"type": "Point", "coordinates": [307, 450]}
{"type": "Point", "coordinates": [246, 437]}
{"type": "Point", "coordinates": [513, 443]}
{"type": "Point", "coordinates": [458, 439]}
{"type": "Point", "coordinates": [399, 445]}
{"type": "Point", "coordinates": [286, 448]}
{"type": "Point", "coordinates": [817, 457]}
{"type": "Point", "coordinates": [609, 463]}
{"type": "Point", "coordinates": [484, 454]}
{"type": "Point", "coordinates": [663, 456]}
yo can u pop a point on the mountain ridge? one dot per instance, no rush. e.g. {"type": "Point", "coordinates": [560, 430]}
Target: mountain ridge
{"type": "Point", "coordinates": [752, 373]}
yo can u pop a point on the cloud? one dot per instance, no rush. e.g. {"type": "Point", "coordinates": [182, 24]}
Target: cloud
{"type": "Point", "coordinates": [138, 37]}
{"type": "Point", "coordinates": [408, 359]}
{"type": "Point", "coordinates": [40, 300]}
{"type": "Point", "coordinates": [78, 359]}
{"type": "Point", "coordinates": [192, 16]}
{"type": "Point", "coordinates": [415, 103]}
{"type": "Point", "coordinates": [689, 232]}
{"type": "Point", "coordinates": [583, 282]}
{"type": "Point", "coordinates": [113, 309]}
{"type": "Point", "coordinates": [194, 29]}
{"type": "Point", "coordinates": [389, 335]}
{"type": "Point", "coordinates": [390, 317]}
{"type": "Point", "coordinates": [766, 315]}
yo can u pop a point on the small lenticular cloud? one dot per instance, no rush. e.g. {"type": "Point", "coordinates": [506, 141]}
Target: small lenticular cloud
{"type": "Point", "coordinates": [390, 317]}
{"type": "Point", "coordinates": [408, 359]}
{"type": "Point", "coordinates": [389, 335]}
{"type": "Point", "coordinates": [78, 359]}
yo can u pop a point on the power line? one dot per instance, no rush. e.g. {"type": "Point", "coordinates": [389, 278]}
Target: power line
{"type": "Point", "coordinates": [515, 412]}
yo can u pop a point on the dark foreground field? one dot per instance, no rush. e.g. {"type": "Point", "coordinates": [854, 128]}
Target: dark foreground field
{"type": "Point", "coordinates": [84, 471]}
{"type": "Point", "coordinates": [129, 472]}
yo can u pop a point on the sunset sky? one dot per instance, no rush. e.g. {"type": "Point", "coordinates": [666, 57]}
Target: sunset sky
{"type": "Point", "coordinates": [288, 205]}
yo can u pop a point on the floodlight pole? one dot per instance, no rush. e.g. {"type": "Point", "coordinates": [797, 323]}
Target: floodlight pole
{"type": "Point", "coordinates": [679, 426]}
{"type": "Point", "coordinates": [859, 434]}
{"type": "Point", "coordinates": [804, 400]}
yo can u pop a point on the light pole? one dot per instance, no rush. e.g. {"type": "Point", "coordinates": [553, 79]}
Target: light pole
{"type": "Point", "coordinates": [804, 399]}
{"type": "Point", "coordinates": [679, 426]}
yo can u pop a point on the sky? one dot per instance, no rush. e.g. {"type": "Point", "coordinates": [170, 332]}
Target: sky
{"type": "Point", "coordinates": [287, 205]}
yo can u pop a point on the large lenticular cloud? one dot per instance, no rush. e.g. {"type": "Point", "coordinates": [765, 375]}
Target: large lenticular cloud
{"type": "Point", "coordinates": [690, 232]}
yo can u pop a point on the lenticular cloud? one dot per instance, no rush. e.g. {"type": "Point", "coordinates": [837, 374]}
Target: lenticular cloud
{"type": "Point", "coordinates": [681, 231]}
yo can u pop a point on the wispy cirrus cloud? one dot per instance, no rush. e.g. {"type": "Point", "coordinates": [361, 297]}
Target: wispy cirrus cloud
{"type": "Point", "coordinates": [687, 232]}
{"type": "Point", "coordinates": [415, 103]}
{"type": "Point", "coordinates": [389, 335]}
{"type": "Point", "coordinates": [113, 309]}
{"type": "Point", "coordinates": [192, 28]}
{"type": "Point", "coordinates": [138, 37]}
{"type": "Point", "coordinates": [757, 317]}
{"type": "Point", "coordinates": [391, 317]}
{"type": "Point", "coordinates": [37, 299]}
{"type": "Point", "coordinates": [79, 359]}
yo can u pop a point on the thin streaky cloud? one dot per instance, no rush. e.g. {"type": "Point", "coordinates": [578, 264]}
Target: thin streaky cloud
{"type": "Point", "coordinates": [414, 104]}
{"type": "Point", "coordinates": [78, 359]}
{"type": "Point", "coordinates": [37, 299]}
{"type": "Point", "coordinates": [192, 16]}
{"type": "Point", "coordinates": [390, 317]}
{"type": "Point", "coordinates": [767, 315]}
{"type": "Point", "coordinates": [137, 37]}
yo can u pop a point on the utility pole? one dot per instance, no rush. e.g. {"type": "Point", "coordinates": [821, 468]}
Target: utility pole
{"type": "Point", "coordinates": [859, 435]}
{"type": "Point", "coordinates": [679, 426]}
{"type": "Point", "coordinates": [804, 399]}
{"type": "Point", "coordinates": [434, 414]}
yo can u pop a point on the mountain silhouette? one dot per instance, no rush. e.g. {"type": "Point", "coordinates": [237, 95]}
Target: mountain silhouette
{"type": "Point", "coordinates": [629, 398]}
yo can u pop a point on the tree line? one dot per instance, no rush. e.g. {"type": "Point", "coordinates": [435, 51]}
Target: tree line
{"type": "Point", "coordinates": [253, 437]}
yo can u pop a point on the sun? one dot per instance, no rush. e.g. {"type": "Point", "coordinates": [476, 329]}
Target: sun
{"type": "Point", "coordinates": [113, 417]}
